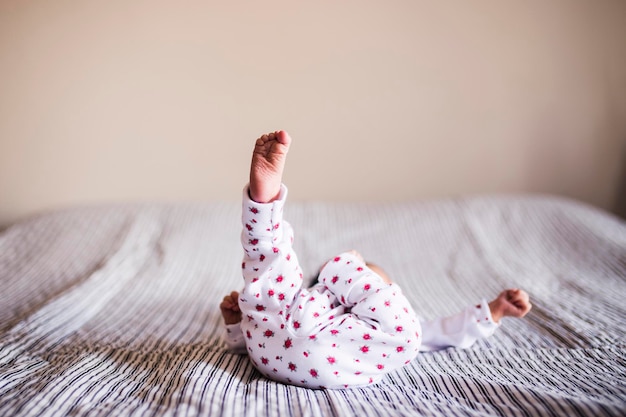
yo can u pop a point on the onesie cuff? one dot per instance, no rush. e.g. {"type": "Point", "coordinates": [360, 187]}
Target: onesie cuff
{"type": "Point", "coordinates": [233, 331]}
{"type": "Point", "coordinates": [483, 319]}
{"type": "Point", "coordinates": [233, 337]}
{"type": "Point", "coordinates": [282, 195]}
{"type": "Point", "coordinates": [263, 217]}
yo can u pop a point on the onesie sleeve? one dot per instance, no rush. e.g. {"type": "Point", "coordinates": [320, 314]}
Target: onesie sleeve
{"type": "Point", "coordinates": [270, 265]}
{"type": "Point", "coordinates": [460, 330]}
{"type": "Point", "coordinates": [233, 337]}
{"type": "Point", "coordinates": [262, 229]}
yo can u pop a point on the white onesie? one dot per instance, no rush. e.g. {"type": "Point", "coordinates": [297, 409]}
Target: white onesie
{"type": "Point", "coordinates": [348, 330]}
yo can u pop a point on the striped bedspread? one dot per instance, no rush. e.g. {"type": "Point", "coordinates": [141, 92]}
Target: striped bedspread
{"type": "Point", "coordinates": [113, 310]}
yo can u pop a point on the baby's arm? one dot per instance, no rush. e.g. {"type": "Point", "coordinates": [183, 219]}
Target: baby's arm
{"type": "Point", "coordinates": [233, 336]}
{"type": "Point", "coordinates": [459, 330]}
{"type": "Point", "coordinates": [475, 322]}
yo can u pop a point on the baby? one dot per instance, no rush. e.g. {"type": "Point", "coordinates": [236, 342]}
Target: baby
{"type": "Point", "coordinates": [350, 328]}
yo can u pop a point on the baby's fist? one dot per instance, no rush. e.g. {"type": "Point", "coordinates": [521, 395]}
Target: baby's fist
{"type": "Point", "coordinates": [510, 303]}
{"type": "Point", "coordinates": [230, 308]}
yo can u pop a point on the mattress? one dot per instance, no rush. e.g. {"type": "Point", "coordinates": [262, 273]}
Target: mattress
{"type": "Point", "coordinates": [112, 310]}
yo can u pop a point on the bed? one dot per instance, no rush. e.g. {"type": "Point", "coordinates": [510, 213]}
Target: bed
{"type": "Point", "coordinates": [113, 310]}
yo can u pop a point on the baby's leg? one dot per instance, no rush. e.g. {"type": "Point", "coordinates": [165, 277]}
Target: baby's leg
{"type": "Point", "coordinates": [379, 333]}
{"type": "Point", "coordinates": [270, 268]}
{"type": "Point", "coordinates": [271, 271]}
{"type": "Point", "coordinates": [369, 296]}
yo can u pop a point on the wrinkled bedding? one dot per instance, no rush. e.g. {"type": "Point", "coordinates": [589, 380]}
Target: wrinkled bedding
{"type": "Point", "coordinates": [113, 310]}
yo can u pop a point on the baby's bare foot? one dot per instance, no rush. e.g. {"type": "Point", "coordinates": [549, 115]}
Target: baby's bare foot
{"type": "Point", "coordinates": [381, 273]}
{"type": "Point", "coordinates": [268, 162]}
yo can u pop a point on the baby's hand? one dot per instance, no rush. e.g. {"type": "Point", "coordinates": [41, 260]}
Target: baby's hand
{"type": "Point", "coordinates": [510, 303]}
{"type": "Point", "coordinates": [230, 308]}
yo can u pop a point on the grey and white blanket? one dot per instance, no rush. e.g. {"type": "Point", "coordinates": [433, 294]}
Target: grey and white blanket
{"type": "Point", "coordinates": [113, 310]}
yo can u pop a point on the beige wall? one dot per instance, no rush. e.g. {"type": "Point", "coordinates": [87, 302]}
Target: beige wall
{"type": "Point", "coordinates": [160, 100]}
